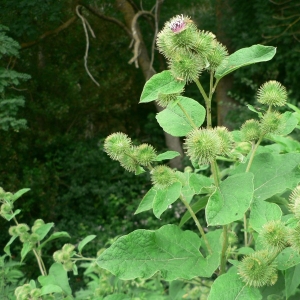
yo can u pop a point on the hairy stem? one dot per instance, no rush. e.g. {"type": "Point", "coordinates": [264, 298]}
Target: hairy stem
{"type": "Point", "coordinates": [40, 262]}
{"type": "Point", "coordinates": [224, 250]}
{"type": "Point", "coordinates": [197, 223]}
{"type": "Point", "coordinates": [254, 149]}
{"type": "Point", "coordinates": [201, 90]}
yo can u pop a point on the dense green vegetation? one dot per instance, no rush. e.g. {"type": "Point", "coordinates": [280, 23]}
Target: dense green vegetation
{"type": "Point", "coordinates": [54, 118]}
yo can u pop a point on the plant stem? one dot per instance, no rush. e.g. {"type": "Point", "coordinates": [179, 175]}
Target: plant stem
{"type": "Point", "coordinates": [253, 153]}
{"type": "Point", "coordinates": [215, 172]}
{"type": "Point", "coordinates": [245, 230]}
{"type": "Point", "coordinates": [40, 263]}
{"type": "Point", "coordinates": [224, 250]}
{"type": "Point", "coordinates": [254, 149]}
{"type": "Point", "coordinates": [188, 116]}
{"type": "Point", "coordinates": [201, 90]}
{"type": "Point", "coordinates": [197, 223]}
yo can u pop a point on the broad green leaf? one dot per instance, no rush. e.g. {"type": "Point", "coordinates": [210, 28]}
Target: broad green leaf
{"type": "Point", "coordinates": [9, 217]}
{"type": "Point", "coordinates": [142, 253]}
{"type": "Point", "coordinates": [245, 250]}
{"type": "Point", "coordinates": [292, 280]}
{"type": "Point", "coordinates": [75, 269]}
{"type": "Point", "coordinates": [215, 242]}
{"type": "Point", "coordinates": [50, 288]}
{"type": "Point", "coordinates": [294, 108]}
{"type": "Point", "coordinates": [276, 291]}
{"type": "Point", "coordinates": [273, 173]}
{"type": "Point", "coordinates": [200, 182]}
{"type": "Point", "coordinates": [262, 212]}
{"type": "Point", "coordinates": [196, 207]}
{"type": "Point", "coordinates": [117, 297]}
{"type": "Point", "coordinates": [287, 258]}
{"type": "Point", "coordinates": [290, 122]}
{"type": "Point", "coordinates": [176, 290]}
{"type": "Point", "coordinates": [53, 236]}
{"type": "Point", "coordinates": [19, 193]}
{"type": "Point", "coordinates": [252, 108]}
{"type": "Point", "coordinates": [25, 250]}
{"type": "Point", "coordinates": [164, 198]}
{"type": "Point", "coordinates": [32, 284]}
{"type": "Point", "coordinates": [43, 230]}
{"type": "Point", "coordinates": [187, 193]}
{"type": "Point", "coordinates": [229, 286]}
{"type": "Point", "coordinates": [85, 241]}
{"type": "Point", "coordinates": [174, 120]}
{"type": "Point", "coordinates": [167, 155]}
{"type": "Point", "coordinates": [147, 201]}
{"type": "Point", "coordinates": [139, 170]}
{"type": "Point", "coordinates": [245, 57]}
{"type": "Point", "coordinates": [57, 276]}
{"type": "Point", "coordinates": [287, 143]}
{"type": "Point", "coordinates": [193, 184]}
{"type": "Point", "coordinates": [161, 83]}
{"type": "Point", "coordinates": [7, 246]}
{"type": "Point", "coordinates": [231, 200]}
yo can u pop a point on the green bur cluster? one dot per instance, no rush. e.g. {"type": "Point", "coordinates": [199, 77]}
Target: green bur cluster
{"type": "Point", "coordinates": [271, 94]}
{"type": "Point", "coordinates": [188, 50]}
{"type": "Point", "coordinates": [119, 147]}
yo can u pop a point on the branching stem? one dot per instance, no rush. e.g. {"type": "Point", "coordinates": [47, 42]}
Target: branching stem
{"type": "Point", "coordinates": [197, 223]}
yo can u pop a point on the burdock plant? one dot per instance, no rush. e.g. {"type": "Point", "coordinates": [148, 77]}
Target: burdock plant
{"type": "Point", "coordinates": [249, 238]}
{"type": "Point", "coordinates": [237, 199]}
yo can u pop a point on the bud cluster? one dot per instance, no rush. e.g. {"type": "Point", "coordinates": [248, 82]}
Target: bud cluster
{"type": "Point", "coordinates": [271, 93]}
{"type": "Point", "coordinates": [7, 203]}
{"type": "Point", "coordinates": [119, 147]}
{"type": "Point", "coordinates": [64, 255]}
{"type": "Point", "coordinates": [22, 231]}
{"type": "Point", "coordinates": [27, 292]}
{"type": "Point", "coordinates": [203, 145]}
{"type": "Point", "coordinates": [189, 51]}
{"type": "Point", "coordinates": [163, 176]}
{"type": "Point", "coordinates": [258, 269]}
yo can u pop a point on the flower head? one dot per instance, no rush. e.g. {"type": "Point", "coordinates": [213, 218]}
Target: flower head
{"type": "Point", "coordinates": [272, 93]}
{"type": "Point", "coordinates": [163, 176]}
{"type": "Point", "coordinates": [251, 130]}
{"type": "Point", "coordinates": [258, 270]}
{"type": "Point", "coordinates": [274, 235]}
{"type": "Point", "coordinates": [203, 145]}
{"type": "Point", "coordinates": [116, 144]}
{"type": "Point", "coordinates": [177, 24]}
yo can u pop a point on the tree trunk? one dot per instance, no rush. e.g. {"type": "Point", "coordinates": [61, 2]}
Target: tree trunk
{"type": "Point", "coordinates": [224, 102]}
{"type": "Point", "coordinates": [173, 143]}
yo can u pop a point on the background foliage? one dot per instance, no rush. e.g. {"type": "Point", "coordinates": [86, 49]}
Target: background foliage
{"type": "Point", "coordinates": [59, 155]}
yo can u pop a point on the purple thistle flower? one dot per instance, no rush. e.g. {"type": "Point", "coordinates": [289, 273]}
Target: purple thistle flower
{"type": "Point", "coordinates": [178, 24]}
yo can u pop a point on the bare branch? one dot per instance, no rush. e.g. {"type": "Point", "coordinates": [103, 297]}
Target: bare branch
{"type": "Point", "coordinates": [98, 14]}
{"type": "Point", "coordinates": [85, 25]}
{"type": "Point", "coordinates": [285, 18]}
{"type": "Point", "coordinates": [49, 33]}
{"type": "Point", "coordinates": [137, 41]}
{"type": "Point", "coordinates": [156, 17]}
{"type": "Point", "coordinates": [280, 3]}
{"type": "Point", "coordinates": [283, 32]}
